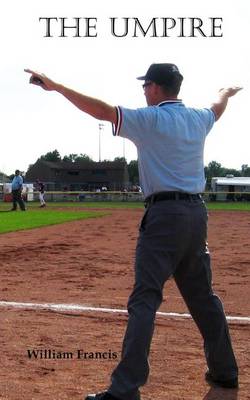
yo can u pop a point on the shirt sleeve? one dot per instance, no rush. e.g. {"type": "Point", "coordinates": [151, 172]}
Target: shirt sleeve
{"type": "Point", "coordinates": [135, 124]}
{"type": "Point", "coordinates": [209, 119]}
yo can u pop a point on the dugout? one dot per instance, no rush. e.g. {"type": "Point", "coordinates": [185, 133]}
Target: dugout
{"type": "Point", "coordinates": [231, 188]}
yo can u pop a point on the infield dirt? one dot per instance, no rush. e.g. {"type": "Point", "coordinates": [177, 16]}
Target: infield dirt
{"type": "Point", "coordinates": [90, 262]}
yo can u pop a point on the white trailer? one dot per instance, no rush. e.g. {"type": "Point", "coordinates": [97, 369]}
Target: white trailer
{"type": "Point", "coordinates": [231, 187]}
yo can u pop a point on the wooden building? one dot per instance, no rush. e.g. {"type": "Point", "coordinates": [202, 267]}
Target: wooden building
{"type": "Point", "coordinates": [79, 176]}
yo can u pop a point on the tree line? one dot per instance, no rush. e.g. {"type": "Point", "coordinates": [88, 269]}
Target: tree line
{"type": "Point", "coordinates": [213, 169]}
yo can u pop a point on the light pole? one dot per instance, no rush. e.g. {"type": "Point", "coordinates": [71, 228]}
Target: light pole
{"type": "Point", "coordinates": [124, 149]}
{"type": "Point", "coordinates": [101, 126]}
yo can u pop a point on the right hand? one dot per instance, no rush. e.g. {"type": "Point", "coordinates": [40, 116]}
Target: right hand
{"type": "Point", "coordinates": [45, 82]}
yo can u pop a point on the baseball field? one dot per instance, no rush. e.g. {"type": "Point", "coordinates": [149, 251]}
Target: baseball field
{"type": "Point", "coordinates": [66, 274]}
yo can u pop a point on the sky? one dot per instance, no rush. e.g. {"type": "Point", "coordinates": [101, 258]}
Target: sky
{"type": "Point", "coordinates": [34, 122]}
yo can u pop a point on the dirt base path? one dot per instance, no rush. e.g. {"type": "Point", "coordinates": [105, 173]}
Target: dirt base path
{"type": "Point", "coordinates": [90, 263]}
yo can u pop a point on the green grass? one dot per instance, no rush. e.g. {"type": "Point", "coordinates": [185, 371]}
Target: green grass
{"type": "Point", "coordinates": [101, 204]}
{"type": "Point", "coordinates": [78, 205]}
{"type": "Point", "coordinates": [237, 206]}
{"type": "Point", "coordinates": [35, 218]}
{"type": "Point", "coordinates": [224, 206]}
{"type": "Point", "coordinates": [57, 213]}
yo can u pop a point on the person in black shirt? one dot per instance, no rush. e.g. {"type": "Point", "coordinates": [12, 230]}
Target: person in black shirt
{"type": "Point", "coordinates": [41, 189]}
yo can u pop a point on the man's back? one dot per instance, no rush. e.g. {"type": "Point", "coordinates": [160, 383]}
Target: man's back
{"type": "Point", "coordinates": [170, 141]}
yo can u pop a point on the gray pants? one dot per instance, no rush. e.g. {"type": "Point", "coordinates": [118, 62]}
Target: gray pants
{"type": "Point", "coordinates": [17, 198]}
{"type": "Point", "coordinates": [172, 242]}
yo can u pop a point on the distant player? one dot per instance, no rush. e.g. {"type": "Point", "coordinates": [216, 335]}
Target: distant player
{"type": "Point", "coordinates": [41, 189]}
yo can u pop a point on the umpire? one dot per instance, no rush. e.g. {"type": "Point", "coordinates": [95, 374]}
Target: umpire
{"type": "Point", "coordinates": [172, 239]}
{"type": "Point", "coordinates": [16, 189]}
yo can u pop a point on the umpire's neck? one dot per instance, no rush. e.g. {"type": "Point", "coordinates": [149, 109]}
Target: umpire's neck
{"type": "Point", "coordinates": [156, 94]}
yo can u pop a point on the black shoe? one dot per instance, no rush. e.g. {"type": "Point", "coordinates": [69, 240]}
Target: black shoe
{"type": "Point", "coordinates": [227, 384]}
{"type": "Point", "coordinates": [101, 396]}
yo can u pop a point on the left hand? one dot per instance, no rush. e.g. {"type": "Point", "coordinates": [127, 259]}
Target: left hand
{"type": "Point", "coordinates": [231, 91]}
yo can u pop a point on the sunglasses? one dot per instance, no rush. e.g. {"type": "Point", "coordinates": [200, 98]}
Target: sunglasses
{"type": "Point", "coordinates": [146, 84]}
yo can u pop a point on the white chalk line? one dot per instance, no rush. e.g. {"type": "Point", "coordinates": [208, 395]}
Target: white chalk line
{"type": "Point", "coordinates": [82, 308]}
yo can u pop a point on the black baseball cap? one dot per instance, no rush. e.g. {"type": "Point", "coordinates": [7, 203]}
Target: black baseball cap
{"type": "Point", "coordinates": [163, 74]}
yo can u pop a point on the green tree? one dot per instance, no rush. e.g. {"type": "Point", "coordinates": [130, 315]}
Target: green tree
{"type": "Point", "coordinates": [76, 157]}
{"type": "Point", "coordinates": [83, 157]}
{"type": "Point", "coordinates": [245, 170]}
{"type": "Point", "coordinates": [213, 169]}
{"type": "Point", "coordinates": [120, 159]}
{"type": "Point", "coordinates": [51, 156]}
{"type": "Point", "coordinates": [70, 158]}
{"type": "Point", "coordinates": [232, 171]}
{"type": "Point", "coordinates": [133, 172]}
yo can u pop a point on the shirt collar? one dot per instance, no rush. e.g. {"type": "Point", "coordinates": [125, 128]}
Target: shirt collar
{"type": "Point", "coordinates": [169, 101]}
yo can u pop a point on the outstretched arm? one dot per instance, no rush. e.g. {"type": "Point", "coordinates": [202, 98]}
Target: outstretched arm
{"type": "Point", "coordinates": [220, 105]}
{"type": "Point", "coordinates": [94, 107]}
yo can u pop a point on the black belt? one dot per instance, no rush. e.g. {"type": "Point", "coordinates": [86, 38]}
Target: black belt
{"type": "Point", "coordinates": [160, 196]}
